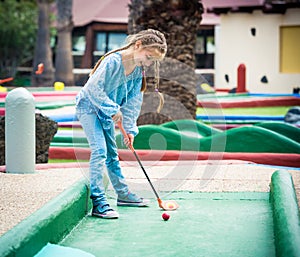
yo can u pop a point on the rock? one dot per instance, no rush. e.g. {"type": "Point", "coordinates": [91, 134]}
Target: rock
{"type": "Point", "coordinates": [45, 131]}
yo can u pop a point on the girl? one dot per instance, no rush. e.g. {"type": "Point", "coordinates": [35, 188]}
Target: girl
{"type": "Point", "coordinates": [112, 94]}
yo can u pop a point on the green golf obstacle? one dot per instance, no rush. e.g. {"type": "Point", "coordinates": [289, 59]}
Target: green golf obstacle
{"type": "Point", "coordinates": [191, 126]}
{"type": "Point", "coordinates": [191, 135]}
{"type": "Point", "coordinates": [284, 129]}
{"type": "Point", "coordinates": [49, 224]}
{"type": "Point", "coordinates": [196, 136]}
{"type": "Point", "coordinates": [286, 217]}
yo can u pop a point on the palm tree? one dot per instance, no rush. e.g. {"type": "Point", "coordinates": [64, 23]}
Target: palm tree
{"type": "Point", "coordinates": [64, 60]}
{"type": "Point", "coordinates": [179, 20]}
{"type": "Point", "coordinates": [43, 53]}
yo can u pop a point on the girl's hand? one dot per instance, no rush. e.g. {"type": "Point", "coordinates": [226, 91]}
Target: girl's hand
{"type": "Point", "coordinates": [117, 117]}
{"type": "Point", "coordinates": [129, 140]}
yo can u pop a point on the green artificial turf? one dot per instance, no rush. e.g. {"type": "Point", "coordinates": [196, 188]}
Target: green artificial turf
{"type": "Point", "coordinates": [272, 111]}
{"type": "Point", "coordinates": [206, 224]}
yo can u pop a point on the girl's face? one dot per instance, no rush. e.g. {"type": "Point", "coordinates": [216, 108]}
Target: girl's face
{"type": "Point", "coordinates": [144, 56]}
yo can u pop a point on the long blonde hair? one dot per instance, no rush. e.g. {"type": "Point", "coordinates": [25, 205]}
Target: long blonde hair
{"type": "Point", "coordinates": [149, 38]}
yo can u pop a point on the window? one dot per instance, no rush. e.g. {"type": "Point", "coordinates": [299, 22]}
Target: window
{"type": "Point", "coordinates": [200, 48]}
{"type": "Point", "coordinates": [210, 45]}
{"type": "Point", "coordinates": [107, 41]}
{"type": "Point", "coordinates": [115, 40]}
{"type": "Point", "coordinates": [205, 49]}
{"type": "Point", "coordinates": [101, 43]}
{"type": "Point", "coordinates": [289, 49]}
{"type": "Point", "coordinates": [205, 44]}
{"type": "Point", "coordinates": [78, 44]}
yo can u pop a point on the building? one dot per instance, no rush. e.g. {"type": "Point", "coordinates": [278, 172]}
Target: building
{"type": "Point", "coordinates": [262, 34]}
{"type": "Point", "coordinates": [102, 26]}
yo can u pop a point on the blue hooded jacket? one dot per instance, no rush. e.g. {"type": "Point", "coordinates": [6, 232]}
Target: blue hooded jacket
{"type": "Point", "coordinates": [109, 90]}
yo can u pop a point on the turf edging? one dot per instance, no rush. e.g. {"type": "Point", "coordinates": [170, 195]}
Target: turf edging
{"type": "Point", "coordinates": [49, 224]}
{"type": "Point", "coordinates": [286, 215]}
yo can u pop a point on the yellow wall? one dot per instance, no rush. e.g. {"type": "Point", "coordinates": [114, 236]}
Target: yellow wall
{"type": "Point", "coordinates": [290, 49]}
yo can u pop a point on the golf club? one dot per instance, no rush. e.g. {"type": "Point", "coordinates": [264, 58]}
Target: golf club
{"type": "Point", "coordinates": [166, 205]}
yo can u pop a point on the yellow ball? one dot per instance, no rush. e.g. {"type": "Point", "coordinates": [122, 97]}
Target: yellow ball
{"type": "Point", "coordinates": [59, 86]}
{"type": "Point", "coordinates": [3, 89]}
{"type": "Point", "coordinates": [207, 88]}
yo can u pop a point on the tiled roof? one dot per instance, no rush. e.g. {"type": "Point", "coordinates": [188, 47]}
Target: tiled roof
{"type": "Point", "coordinates": [116, 11]}
{"type": "Point", "coordinates": [110, 11]}
{"type": "Point", "coordinates": [267, 6]}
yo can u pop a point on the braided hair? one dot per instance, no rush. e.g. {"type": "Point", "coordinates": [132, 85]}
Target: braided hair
{"type": "Point", "coordinates": [149, 38]}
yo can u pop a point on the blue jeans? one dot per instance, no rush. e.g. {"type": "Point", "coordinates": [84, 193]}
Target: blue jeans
{"type": "Point", "coordinates": [103, 153]}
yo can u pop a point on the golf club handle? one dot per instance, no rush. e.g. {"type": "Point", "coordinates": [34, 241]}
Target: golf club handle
{"type": "Point", "coordinates": [125, 134]}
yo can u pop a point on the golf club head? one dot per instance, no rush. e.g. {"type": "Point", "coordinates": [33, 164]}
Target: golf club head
{"type": "Point", "coordinates": [169, 205]}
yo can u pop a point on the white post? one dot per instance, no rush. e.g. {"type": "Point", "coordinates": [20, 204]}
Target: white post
{"type": "Point", "coordinates": [20, 131]}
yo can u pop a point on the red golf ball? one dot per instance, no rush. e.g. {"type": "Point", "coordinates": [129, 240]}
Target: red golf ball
{"type": "Point", "coordinates": [165, 216]}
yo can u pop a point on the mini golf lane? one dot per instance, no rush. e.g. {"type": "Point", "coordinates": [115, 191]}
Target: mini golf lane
{"type": "Point", "coordinates": [206, 224]}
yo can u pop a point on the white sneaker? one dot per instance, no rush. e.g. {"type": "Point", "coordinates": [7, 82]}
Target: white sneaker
{"type": "Point", "coordinates": [105, 212]}
{"type": "Point", "coordinates": [132, 200]}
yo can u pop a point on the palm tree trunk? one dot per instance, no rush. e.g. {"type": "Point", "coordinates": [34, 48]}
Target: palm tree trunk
{"type": "Point", "coordinates": [43, 53]}
{"type": "Point", "coordinates": [64, 59]}
{"type": "Point", "coordinates": [179, 20]}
